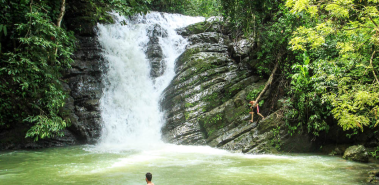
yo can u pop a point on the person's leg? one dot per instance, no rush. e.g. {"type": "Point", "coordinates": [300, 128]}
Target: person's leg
{"type": "Point", "coordinates": [252, 116]}
{"type": "Point", "coordinates": [261, 115]}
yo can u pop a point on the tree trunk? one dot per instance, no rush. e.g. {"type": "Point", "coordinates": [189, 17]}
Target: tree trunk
{"type": "Point", "coordinates": [60, 17]}
{"type": "Point", "coordinates": [269, 81]}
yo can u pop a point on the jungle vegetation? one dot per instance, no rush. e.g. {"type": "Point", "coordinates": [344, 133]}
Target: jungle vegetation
{"type": "Point", "coordinates": [35, 48]}
{"type": "Point", "coordinates": [326, 50]}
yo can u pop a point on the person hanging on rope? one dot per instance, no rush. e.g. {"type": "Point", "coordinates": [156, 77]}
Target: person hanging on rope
{"type": "Point", "coordinates": [256, 110]}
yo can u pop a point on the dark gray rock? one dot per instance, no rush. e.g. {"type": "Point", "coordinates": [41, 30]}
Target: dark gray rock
{"type": "Point", "coordinates": [356, 153]}
{"type": "Point", "coordinates": [154, 51]}
{"type": "Point", "coordinates": [208, 37]}
{"type": "Point", "coordinates": [241, 48]}
{"type": "Point", "coordinates": [85, 86]}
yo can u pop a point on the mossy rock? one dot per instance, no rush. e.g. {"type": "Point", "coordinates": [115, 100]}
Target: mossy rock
{"type": "Point", "coordinates": [202, 27]}
{"type": "Point", "coordinates": [356, 153]}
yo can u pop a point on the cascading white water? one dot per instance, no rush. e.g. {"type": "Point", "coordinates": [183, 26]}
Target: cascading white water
{"type": "Point", "coordinates": [130, 103]}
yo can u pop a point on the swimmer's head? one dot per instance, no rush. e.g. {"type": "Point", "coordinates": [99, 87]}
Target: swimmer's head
{"type": "Point", "coordinates": [149, 176]}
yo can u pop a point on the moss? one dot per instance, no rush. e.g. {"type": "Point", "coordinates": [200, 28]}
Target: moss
{"type": "Point", "coordinates": [202, 27]}
{"type": "Point", "coordinates": [187, 105]}
{"type": "Point", "coordinates": [212, 123]}
{"type": "Point", "coordinates": [197, 28]}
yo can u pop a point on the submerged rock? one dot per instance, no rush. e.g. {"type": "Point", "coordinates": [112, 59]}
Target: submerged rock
{"type": "Point", "coordinates": [356, 153]}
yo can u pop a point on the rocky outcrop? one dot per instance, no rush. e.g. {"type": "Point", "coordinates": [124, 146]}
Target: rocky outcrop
{"type": "Point", "coordinates": [154, 51]}
{"type": "Point", "coordinates": [206, 103]}
{"type": "Point", "coordinates": [85, 88]}
{"type": "Point", "coordinates": [267, 136]}
{"type": "Point", "coordinates": [356, 153]}
{"type": "Point", "coordinates": [82, 82]}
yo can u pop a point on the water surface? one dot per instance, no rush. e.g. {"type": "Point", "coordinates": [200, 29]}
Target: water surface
{"type": "Point", "coordinates": [172, 164]}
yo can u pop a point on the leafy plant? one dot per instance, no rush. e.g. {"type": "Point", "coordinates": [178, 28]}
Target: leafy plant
{"type": "Point", "coordinates": [347, 79]}
{"type": "Point", "coordinates": [276, 141]}
{"type": "Point", "coordinates": [205, 8]}
{"type": "Point", "coordinates": [375, 153]}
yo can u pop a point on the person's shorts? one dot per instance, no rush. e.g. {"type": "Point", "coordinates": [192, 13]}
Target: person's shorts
{"type": "Point", "coordinates": [254, 111]}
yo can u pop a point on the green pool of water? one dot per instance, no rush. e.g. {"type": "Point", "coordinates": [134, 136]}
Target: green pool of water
{"type": "Point", "coordinates": [171, 164]}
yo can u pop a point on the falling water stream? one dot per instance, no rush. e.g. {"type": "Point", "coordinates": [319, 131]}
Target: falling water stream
{"type": "Point", "coordinates": [130, 104]}
{"type": "Point", "coordinates": [130, 143]}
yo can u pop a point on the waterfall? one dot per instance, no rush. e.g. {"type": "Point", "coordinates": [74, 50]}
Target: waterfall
{"type": "Point", "coordinates": [130, 109]}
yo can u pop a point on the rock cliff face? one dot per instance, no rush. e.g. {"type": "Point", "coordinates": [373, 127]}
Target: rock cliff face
{"type": "Point", "coordinates": [206, 103]}
{"type": "Point", "coordinates": [85, 88]}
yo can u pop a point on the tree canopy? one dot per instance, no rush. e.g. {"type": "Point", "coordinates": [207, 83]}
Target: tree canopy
{"type": "Point", "coordinates": [329, 57]}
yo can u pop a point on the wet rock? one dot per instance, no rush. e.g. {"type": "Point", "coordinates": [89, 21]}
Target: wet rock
{"type": "Point", "coordinates": [356, 153]}
{"type": "Point", "coordinates": [196, 97]}
{"type": "Point", "coordinates": [210, 25]}
{"type": "Point", "coordinates": [85, 88]}
{"type": "Point", "coordinates": [242, 48]}
{"type": "Point", "coordinates": [206, 103]}
{"type": "Point", "coordinates": [373, 177]}
{"type": "Point", "coordinates": [336, 151]}
{"type": "Point", "coordinates": [154, 51]}
{"type": "Point", "coordinates": [208, 37]}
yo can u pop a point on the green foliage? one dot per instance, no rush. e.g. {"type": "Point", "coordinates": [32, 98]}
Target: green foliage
{"type": "Point", "coordinates": [212, 101]}
{"type": "Point", "coordinates": [123, 7]}
{"type": "Point", "coordinates": [187, 105]}
{"type": "Point", "coordinates": [328, 52]}
{"type": "Point", "coordinates": [307, 107]}
{"type": "Point", "coordinates": [205, 8]}
{"type": "Point", "coordinates": [375, 153]}
{"type": "Point", "coordinates": [252, 95]}
{"type": "Point", "coordinates": [345, 77]}
{"type": "Point", "coordinates": [31, 70]}
{"type": "Point", "coordinates": [276, 141]}
{"type": "Point", "coordinates": [212, 123]}
{"type": "Point", "coordinates": [34, 53]}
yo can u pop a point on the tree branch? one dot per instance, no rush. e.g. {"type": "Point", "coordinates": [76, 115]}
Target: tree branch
{"type": "Point", "coordinates": [269, 81]}
{"type": "Point", "coordinates": [60, 17]}
{"type": "Point", "coordinates": [372, 21]}
{"type": "Point", "coordinates": [373, 70]}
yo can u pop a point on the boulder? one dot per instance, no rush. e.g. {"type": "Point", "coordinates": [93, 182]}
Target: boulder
{"type": "Point", "coordinates": [241, 48]}
{"type": "Point", "coordinates": [356, 153]}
